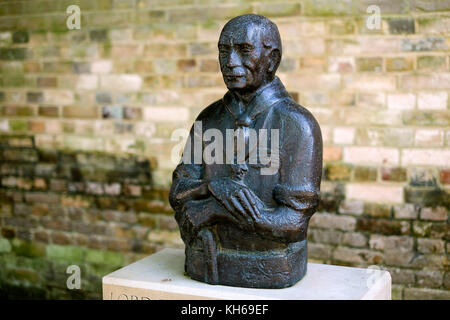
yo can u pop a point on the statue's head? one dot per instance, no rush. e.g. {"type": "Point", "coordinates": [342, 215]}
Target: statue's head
{"type": "Point", "coordinates": [249, 52]}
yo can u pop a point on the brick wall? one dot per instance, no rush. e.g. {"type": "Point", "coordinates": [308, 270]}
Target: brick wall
{"type": "Point", "coordinates": [86, 118]}
{"type": "Point", "coordinates": [59, 208]}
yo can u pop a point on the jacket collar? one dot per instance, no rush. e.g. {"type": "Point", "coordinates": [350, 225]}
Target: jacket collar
{"type": "Point", "coordinates": [264, 98]}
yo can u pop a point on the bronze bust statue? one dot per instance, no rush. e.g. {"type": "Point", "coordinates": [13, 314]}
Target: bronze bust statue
{"type": "Point", "coordinates": [250, 174]}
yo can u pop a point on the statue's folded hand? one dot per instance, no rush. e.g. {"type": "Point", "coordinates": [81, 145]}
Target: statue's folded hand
{"type": "Point", "coordinates": [202, 213]}
{"type": "Point", "coordinates": [238, 199]}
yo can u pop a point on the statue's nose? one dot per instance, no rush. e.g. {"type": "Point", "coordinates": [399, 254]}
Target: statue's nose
{"type": "Point", "coordinates": [233, 60]}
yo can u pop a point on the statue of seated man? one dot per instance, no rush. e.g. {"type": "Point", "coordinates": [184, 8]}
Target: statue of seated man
{"type": "Point", "coordinates": [243, 209]}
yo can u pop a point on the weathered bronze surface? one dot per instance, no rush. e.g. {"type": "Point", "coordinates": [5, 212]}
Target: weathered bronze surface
{"type": "Point", "coordinates": [244, 226]}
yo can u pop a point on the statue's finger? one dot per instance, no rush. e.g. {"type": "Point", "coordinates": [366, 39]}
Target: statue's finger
{"type": "Point", "coordinates": [237, 205]}
{"type": "Point", "coordinates": [235, 212]}
{"type": "Point", "coordinates": [227, 205]}
{"type": "Point", "coordinates": [248, 215]}
{"type": "Point", "coordinates": [230, 208]}
{"type": "Point", "coordinates": [250, 196]}
{"type": "Point", "coordinates": [246, 204]}
{"type": "Point", "coordinates": [252, 200]}
{"type": "Point", "coordinates": [242, 214]}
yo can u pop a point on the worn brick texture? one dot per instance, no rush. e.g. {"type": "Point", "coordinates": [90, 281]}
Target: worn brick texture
{"type": "Point", "coordinates": [86, 118]}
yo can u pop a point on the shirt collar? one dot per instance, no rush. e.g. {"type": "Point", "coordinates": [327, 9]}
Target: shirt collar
{"type": "Point", "coordinates": [264, 97]}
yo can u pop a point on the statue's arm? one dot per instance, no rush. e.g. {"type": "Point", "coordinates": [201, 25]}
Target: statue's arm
{"type": "Point", "coordinates": [189, 198]}
{"type": "Point", "coordinates": [289, 219]}
{"type": "Point", "coordinates": [187, 178]}
{"type": "Point", "coordinates": [187, 185]}
{"type": "Point", "coordinates": [297, 195]}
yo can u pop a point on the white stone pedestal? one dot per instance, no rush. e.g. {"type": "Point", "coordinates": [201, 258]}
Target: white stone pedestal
{"type": "Point", "coordinates": [161, 277]}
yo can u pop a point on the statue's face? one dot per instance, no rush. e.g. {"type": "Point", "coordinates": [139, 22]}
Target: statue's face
{"type": "Point", "coordinates": [243, 59]}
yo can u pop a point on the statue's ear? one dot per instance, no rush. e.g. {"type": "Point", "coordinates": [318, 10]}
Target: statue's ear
{"type": "Point", "coordinates": [275, 59]}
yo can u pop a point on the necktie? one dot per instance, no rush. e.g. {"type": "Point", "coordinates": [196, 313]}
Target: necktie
{"type": "Point", "coordinates": [241, 139]}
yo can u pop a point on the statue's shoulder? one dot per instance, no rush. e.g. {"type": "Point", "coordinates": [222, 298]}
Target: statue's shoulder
{"type": "Point", "coordinates": [210, 111]}
{"type": "Point", "coordinates": [296, 115]}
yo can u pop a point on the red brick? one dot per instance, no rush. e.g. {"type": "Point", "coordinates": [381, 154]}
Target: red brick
{"type": "Point", "coordinates": [332, 153]}
{"type": "Point", "coordinates": [41, 236]}
{"type": "Point", "coordinates": [438, 214]}
{"type": "Point", "coordinates": [18, 111]}
{"type": "Point", "coordinates": [47, 82]}
{"type": "Point", "coordinates": [313, 64]}
{"type": "Point", "coordinates": [48, 111]}
{"type": "Point", "coordinates": [143, 66]}
{"type": "Point", "coordinates": [445, 176]}
{"type": "Point", "coordinates": [399, 64]}
{"type": "Point", "coordinates": [60, 238]}
{"type": "Point", "coordinates": [36, 126]}
{"type": "Point", "coordinates": [31, 66]}
{"type": "Point", "coordinates": [393, 174]}
{"type": "Point", "coordinates": [186, 65]}
{"type": "Point", "coordinates": [80, 112]}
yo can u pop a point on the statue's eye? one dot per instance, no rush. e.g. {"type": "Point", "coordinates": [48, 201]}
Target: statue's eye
{"type": "Point", "coordinates": [223, 49]}
{"type": "Point", "coordinates": [245, 48]}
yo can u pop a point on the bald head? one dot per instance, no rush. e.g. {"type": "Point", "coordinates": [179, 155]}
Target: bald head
{"type": "Point", "coordinates": [249, 52]}
{"type": "Point", "coordinates": [270, 36]}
